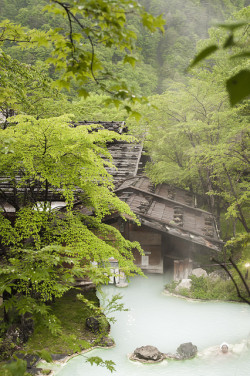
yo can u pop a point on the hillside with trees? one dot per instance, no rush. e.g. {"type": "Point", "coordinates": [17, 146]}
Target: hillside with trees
{"type": "Point", "coordinates": [161, 58]}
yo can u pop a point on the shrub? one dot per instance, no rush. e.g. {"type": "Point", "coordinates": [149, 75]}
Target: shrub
{"type": "Point", "coordinates": [207, 289]}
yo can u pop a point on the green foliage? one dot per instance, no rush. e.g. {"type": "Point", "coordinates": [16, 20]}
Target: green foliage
{"type": "Point", "coordinates": [208, 289]}
{"type": "Point", "coordinates": [27, 89]}
{"type": "Point", "coordinates": [73, 52]}
{"type": "Point", "coordinates": [45, 355]}
{"type": "Point", "coordinates": [203, 54]}
{"type": "Point", "coordinates": [16, 368]}
{"type": "Point", "coordinates": [112, 305]}
{"type": "Point", "coordinates": [49, 150]}
{"type": "Point", "coordinates": [44, 251]}
{"type": "Point", "coordinates": [163, 57]}
{"type": "Point", "coordinates": [74, 337]}
{"type": "Point", "coordinates": [204, 288]}
{"type": "Point", "coordinates": [109, 364]}
{"type": "Point", "coordinates": [46, 371]}
{"type": "Point", "coordinates": [186, 23]}
{"type": "Point", "coordinates": [93, 107]}
{"type": "Point", "coordinates": [196, 141]}
{"type": "Point", "coordinates": [47, 250]}
{"type": "Point", "coordinates": [171, 286]}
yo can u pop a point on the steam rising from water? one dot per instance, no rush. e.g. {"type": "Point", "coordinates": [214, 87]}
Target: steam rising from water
{"type": "Point", "coordinates": [166, 322]}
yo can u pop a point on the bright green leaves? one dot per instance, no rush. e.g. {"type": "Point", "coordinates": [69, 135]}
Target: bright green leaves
{"type": "Point", "coordinates": [130, 59]}
{"type": "Point", "coordinates": [48, 152]}
{"type": "Point", "coordinates": [23, 36]}
{"type": "Point", "coordinates": [47, 250]}
{"type": "Point", "coordinates": [238, 86]}
{"type": "Point", "coordinates": [75, 51]}
{"type": "Point", "coordinates": [109, 364]}
{"type": "Point", "coordinates": [13, 32]}
{"type": "Point", "coordinates": [78, 51]}
{"type": "Point", "coordinates": [28, 89]}
{"type": "Point", "coordinates": [45, 355]}
{"type": "Point", "coordinates": [153, 23]}
{"type": "Point", "coordinates": [53, 8]}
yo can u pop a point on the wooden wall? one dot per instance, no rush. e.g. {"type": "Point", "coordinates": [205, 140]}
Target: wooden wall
{"type": "Point", "coordinates": [151, 243]}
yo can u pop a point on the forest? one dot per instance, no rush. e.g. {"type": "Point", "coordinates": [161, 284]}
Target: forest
{"type": "Point", "coordinates": [177, 73]}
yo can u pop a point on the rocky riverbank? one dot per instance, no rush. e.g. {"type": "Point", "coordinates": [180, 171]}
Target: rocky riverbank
{"type": "Point", "coordinates": [76, 336]}
{"type": "Point", "coordinates": [61, 359]}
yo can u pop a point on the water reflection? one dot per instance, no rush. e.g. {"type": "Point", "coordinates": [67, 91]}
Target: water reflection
{"type": "Point", "coordinates": [166, 322]}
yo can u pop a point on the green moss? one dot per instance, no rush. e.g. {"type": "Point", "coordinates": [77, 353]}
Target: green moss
{"type": "Point", "coordinates": [74, 337]}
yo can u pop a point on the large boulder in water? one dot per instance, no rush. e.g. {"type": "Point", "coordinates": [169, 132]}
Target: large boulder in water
{"type": "Point", "coordinates": [187, 350]}
{"type": "Point", "coordinates": [147, 354]}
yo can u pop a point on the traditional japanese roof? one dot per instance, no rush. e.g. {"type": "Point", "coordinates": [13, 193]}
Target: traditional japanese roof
{"type": "Point", "coordinates": [170, 210]}
{"type": "Point", "coordinates": [115, 126]}
{"type": "Point", "coordinates": [126, 156]}
{"type": "Point", "coordinates": [126, 159]}
{"type": "Point", "coordinates": [143, 184]}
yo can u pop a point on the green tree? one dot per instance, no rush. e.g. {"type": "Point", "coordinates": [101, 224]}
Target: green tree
{"type": "Point", "coordinates": [74, 51]}
{"type": "Point", "coordinates": [196, 141]}
{"type": "Point", "coordinates": [28, 89]}
{"type": "Point", "coordinates": [44, 250]}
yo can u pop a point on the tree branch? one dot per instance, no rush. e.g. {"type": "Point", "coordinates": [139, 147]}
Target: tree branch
{"type": "Point", "coordinates": [241, 276]}
{"type": "Point", "coordinates": [232, 279]}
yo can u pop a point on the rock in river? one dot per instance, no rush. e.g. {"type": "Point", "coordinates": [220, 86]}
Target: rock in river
{"type": "Point", "coordinates": [147, 354]}
{"type": "Point", "coordinates": [187, 350]}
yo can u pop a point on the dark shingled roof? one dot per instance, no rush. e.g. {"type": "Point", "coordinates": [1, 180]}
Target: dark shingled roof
{"type": "Point", "coordinates": [126, 156]}
{"type": "Point", "coordinates": [170, 210]}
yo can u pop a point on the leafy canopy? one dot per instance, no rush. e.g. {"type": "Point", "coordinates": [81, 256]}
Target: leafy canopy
{"type": "Point", "coordinates": [75, 52]}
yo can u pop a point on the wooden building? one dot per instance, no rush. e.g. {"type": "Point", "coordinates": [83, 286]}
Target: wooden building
{"type": "Point", "coordinates": [172, 228]}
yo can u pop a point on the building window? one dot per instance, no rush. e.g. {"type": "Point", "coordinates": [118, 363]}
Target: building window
{"type": "Point", "coordinates": [145, 260]}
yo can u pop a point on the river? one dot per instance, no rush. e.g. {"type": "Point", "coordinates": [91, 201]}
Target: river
{"type": "Point", "coordinates": [166, 322]}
